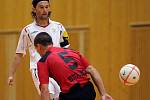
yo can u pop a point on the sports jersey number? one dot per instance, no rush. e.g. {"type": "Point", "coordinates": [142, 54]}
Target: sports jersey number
{"type": "Point", "coordinates": [66, 59]}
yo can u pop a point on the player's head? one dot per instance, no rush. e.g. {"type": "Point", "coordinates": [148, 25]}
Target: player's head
{"type": "Point", "coordinates": [42, 41]}
{"type": "Point", "coordinates": [40, 9]}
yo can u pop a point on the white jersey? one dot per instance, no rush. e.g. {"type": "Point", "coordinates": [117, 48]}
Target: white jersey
{"type": "Point", "coordinates": [54, 29]}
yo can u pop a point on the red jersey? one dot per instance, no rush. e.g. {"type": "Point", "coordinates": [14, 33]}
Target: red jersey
{"type": "Point", "coordinates": [66, 66]}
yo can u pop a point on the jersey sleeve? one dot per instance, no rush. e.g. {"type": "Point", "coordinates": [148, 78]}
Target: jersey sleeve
{"type": "Point", "coordinates": [64, 37]}
{"type": "Point", "coordinates": [84, 61]}
{"type": "Point", "coordinates": [22, 43]}
{"type": "Point", "coordinates": [43, 73]}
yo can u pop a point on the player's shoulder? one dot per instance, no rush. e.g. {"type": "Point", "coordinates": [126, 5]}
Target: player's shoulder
{"type": "Point", "coordinates": [28, 27]}
{"type": "Point", "coordinates": [74, 51]}
{"type": "Point", "coordinates": [56, 23]}
{"type": "Point", "coordinates": [44, 57]}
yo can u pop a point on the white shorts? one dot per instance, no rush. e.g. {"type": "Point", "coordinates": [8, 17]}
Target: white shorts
{"type": "Point", "coordinates": [53, 87]}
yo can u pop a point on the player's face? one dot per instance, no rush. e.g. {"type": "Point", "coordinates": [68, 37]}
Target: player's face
{"type": "Point", "coordinates": [42, 10]}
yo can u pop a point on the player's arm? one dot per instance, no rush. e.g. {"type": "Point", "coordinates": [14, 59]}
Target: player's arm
{"type": "Point", "coordinates": [45, 92]}
{"type": "Point", "coordinates": [96, 79]}
{"type": "Point", "coordinates": [20, 52]}
{"type": "Point", "coordinates": [98, 82]}
{"type": "Point", "coordinates": [64, 37]}
{"type": "Point", "coordinates": [43, 75]}
{"type": "Point", "coordinates": [16, 62]}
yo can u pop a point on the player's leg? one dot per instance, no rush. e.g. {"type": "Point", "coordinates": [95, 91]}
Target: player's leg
{"type": "Point", "coordinates": [54, 88]}
{"type": "Point", "coordinates": [35, 80]}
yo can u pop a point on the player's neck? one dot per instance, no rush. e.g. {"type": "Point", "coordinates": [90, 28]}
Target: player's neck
{"type": "Point", "coordinates": [42, 23]}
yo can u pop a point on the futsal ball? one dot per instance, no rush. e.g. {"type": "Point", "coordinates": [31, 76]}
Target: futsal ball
{"type": "Point", "coordinates": [129, 74]}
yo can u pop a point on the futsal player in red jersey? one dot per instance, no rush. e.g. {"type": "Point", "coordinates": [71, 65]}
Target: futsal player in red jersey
{"type": "Point", "coordinates": [69, 68]}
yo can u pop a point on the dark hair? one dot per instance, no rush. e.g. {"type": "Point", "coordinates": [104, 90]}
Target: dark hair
{"type": "Point", "coordinates": [35, 2]}
{"type": "Point", "coordinates": [43, 38]}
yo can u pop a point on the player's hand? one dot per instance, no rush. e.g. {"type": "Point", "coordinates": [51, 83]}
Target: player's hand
{"type": "Point", "coordinates": [57, 98]}
{"type": "Point", "coordinates": [10, 80]}
{"type": "Point", "coordinates": [106, 97]}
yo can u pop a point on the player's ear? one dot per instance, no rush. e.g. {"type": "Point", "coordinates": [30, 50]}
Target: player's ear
{"type": "Point", "coordinates": [33, 9]}
{"type": "Point", "coordinates": [40, 47]}
{"type": "Point", "coordinates": [37, 47]}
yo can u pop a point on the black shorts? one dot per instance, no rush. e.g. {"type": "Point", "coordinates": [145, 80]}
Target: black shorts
{"type": "Point", "coordinates": [77, 92]}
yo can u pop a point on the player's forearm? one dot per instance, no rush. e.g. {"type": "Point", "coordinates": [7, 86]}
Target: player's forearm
{"type": "Point", "coordinates": [45, 92]}
{"type": "Point", "coordinates": [16, 62]}
{"type": "Point", "coordinates": [45, 95]}
{"type": "Point", "coordinates": [97, 80]}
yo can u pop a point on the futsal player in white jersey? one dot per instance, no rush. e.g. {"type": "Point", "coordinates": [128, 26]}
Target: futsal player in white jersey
{"type": "Point", "coordinates": [42, 23]}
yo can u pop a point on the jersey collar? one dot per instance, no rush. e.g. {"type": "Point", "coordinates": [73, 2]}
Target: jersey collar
{"type": "Point", "coordinates": [42, 26]}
